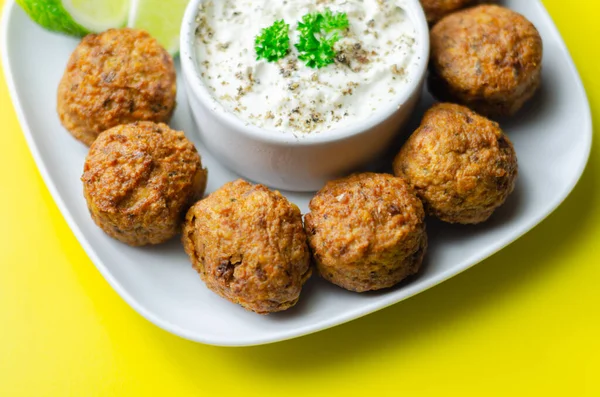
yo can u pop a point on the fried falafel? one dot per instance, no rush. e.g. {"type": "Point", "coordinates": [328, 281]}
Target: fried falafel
{"type": "Point", "coordinates": [488, 58]}
{"type": "Point", "coordinates": [366, 231]}
{"type": "Point", "coordinates": [437, 9]}
{"type": "Point", "coordinates": [116, 77]}
{"type": "Point", "coordinates": [459, 163]}
{"type": "Point", "coordinates": [140, 179]}
{"type": "Point", "coordinates": [249, 246]}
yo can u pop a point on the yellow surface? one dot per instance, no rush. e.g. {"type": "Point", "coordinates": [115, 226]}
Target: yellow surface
{"type": "Point", "coordinates": [525, 322]}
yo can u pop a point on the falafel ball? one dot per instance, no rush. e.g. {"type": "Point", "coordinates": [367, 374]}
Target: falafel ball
{"type": "Point", "coordinates": [366, 231]}
{"type": "Point", "coordinates": [140, 179]}
{"type": "Point", "coordinates": [488, 58]}
{"type": "Point", "coordinates": [459, 163]}
{"type": "Point", "coordinates": [248, 245]}
{"type": "Point", "coordinates": [437, 9]}
{"type": "Point", "coordinates": [116, 77]}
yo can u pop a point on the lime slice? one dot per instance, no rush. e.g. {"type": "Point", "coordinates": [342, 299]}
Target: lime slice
{"type": "Point", "coordinates": [162, 19]}
{"type": "Point", "coordinates": [98, 16]}
{"type": "Point", "coordinates": [77, 17]}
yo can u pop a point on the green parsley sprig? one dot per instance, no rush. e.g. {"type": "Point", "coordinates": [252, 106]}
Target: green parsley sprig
{"type": "Point", "coordinates": [318, 34]}
{"type": "Point", "coordinates": [273, 43]}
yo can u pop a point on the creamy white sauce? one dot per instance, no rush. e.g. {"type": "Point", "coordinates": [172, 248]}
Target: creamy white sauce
{"type": "Point", "coordinates": [374, 57]}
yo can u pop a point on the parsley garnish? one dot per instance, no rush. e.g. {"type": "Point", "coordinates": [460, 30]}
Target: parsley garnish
{"type": "Point", "coordinates": [273, 43]}
{"type": "Point", "coordinates": [318, 34]}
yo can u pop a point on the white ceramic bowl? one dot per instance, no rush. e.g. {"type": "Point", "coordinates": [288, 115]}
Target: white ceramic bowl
{"type": "Point", "coordinates": [280, 159]}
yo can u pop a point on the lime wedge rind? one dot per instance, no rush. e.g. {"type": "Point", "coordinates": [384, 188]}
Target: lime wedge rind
{"type": "Point", "coordinates": [161, 18]}
{"type": "Point", "coordinates": [51, 15]}
{"type": "Point", "coordinates": [77, 17]}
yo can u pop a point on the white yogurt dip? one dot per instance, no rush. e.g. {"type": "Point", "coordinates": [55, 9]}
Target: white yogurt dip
{"type": "Point", "coordinates": [372, 64]}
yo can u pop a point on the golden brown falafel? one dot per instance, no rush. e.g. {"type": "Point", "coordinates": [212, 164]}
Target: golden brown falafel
{"type": "Point", "coordinates": [459, 163]}
{"type": "Point", "coordinates": [139, 180]}
{"type": "Point", "coordinates": [116, 77]}
{"type": "Point", "coordinates": [249, 246]}
{"type": "Point", "coordinates": [437, 9]}
{"type": "Point", "coordinates": [366, 231]}
{"type": "Point", "coordinates": [488, 58]}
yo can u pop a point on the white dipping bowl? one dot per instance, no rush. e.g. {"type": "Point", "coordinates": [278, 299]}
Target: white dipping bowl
{"type": "Point", "coordinates": [298, 163]}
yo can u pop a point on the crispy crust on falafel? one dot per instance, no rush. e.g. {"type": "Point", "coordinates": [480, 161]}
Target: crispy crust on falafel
{"type": "Point", "coordinates": [116, 77]}
{"type": "Point", "coordinates": [488, 58]}
{"type": "Point", "coordinates": [366, 231]}
{"type": "Point", "coordinates": [139, 180]}
{"type": "Point", "coordinates": [459, 163]}
{"type": "Point", "coordinates": [249, 246]}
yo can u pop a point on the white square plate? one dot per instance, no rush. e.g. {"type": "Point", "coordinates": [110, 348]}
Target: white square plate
{"type": "Point", "coordinates": [552, 137]}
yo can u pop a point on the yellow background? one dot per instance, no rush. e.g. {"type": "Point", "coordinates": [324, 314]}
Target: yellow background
{"type": "Point", "coordinates": [525, 322]}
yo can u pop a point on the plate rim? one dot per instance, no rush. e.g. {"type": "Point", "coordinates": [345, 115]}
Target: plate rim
{"type": "Point", "coordinates": [408, 291]}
